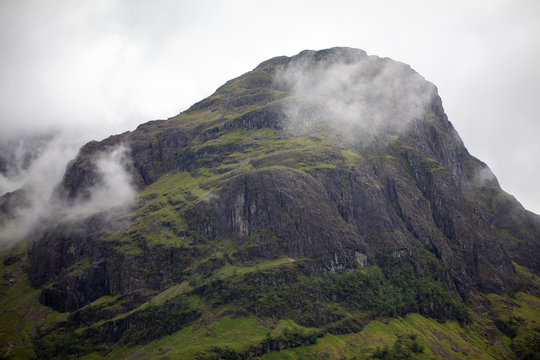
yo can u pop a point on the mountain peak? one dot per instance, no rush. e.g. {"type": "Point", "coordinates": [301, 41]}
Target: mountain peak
{"type": "Point", "coordinates": [325, 190]}
{"type": "Point", "coordinates": [335, 54]}
{"type": "Point", "coordinates": [344, 86]}
{"type": "Point", "coordinates": [337, 113]}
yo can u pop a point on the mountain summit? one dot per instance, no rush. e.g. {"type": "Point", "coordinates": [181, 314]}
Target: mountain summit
{"type": "Point", "coordinates": [307, 198]}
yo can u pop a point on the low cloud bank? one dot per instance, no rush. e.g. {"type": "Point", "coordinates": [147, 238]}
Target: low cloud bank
{"type": "Point", "coordinates": [115, 187]}
{"type": "Point", "coordinates": [35, 180]}
{"type": "Point", "coordinates": [17, 154]}
{"type": "Point", "coordinates": [360, 96]}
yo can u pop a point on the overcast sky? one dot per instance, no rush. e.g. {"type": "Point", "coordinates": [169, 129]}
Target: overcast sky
{"type": "Point", "coordinates": [104, 66]}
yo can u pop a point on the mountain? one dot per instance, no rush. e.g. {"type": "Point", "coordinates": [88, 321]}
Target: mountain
{"type": "Point", "coordinates": [319, 206]}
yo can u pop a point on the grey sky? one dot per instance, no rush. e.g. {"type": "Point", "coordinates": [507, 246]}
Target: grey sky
{"type": "Point", "coordinates": [104, 66]}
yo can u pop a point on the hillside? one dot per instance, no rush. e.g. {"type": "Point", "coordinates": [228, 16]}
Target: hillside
{"type": "Point", "coordinates": [319, 206]}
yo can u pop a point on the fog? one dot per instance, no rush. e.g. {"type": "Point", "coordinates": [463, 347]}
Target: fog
{"type": "Point", "coordinates": [37, 199]}
{"type": "Point", "coordinates": [37, 181]}
{"type": "Point", "coordinates": [115, 188]}
{"type": "Point", "coordinates": [361, 96]}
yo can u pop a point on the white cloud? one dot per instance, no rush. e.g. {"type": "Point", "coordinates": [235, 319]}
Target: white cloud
{"type": "Point", "coordinates": [115, 188]}
{"type": "Point", "coordinates": [45, 174]}
{"type": "Point", "coordinates": [38, 182]}
{"type": "Point", "coordinates": [360, 96]}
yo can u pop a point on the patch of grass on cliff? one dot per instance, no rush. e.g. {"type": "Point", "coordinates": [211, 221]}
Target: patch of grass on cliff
{"type": "Point", "coordinates": [433, 165]}
{"type": "Point", "coordinates": [229, 102]}
{"type": "Point", "coordinates": [160, 221]}
{"type": "Point", "coordinates": [351, 157]}
{"type": "Point", "coordinates": [128, 247]}
{"type": "Point", "coordinates": [112, 303]}
{"type": "Point", "coordinates": [192, 119]}
{"type": "Point", "coordinates": [268, 147]}
{"type": "Point", "coordinates": [235, 270]}
{"type": "Point", "coordinates": [104, 301]}
{"type": "Point", "coordinates": [142, 325]}
{"type": "Point", "coordinates": [526, 281]}
{"type": "Point", "coordinates": [224, 338]}
{"type": "Point", "coordinates": [174, 188]}
{"type": "Point", "coordinates": [20, 310]}
{"type": "Point", "coordinates": [78, 268]}
{"type": "Point", "coordinates": [170, 293]}
{"type": "Point", "coordinates": [231, 333]}
{"type": "Point", "coordinates": [518, 317]}
{"type": "Point", "coordinates": [505, 234]}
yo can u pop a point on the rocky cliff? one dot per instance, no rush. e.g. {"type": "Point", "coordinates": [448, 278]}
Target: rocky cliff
{"type": "Point", "coordinates": [326, 166]}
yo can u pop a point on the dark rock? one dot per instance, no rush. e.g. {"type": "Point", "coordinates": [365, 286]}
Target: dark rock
{"type": "Point", "coordinates": [11, 259]}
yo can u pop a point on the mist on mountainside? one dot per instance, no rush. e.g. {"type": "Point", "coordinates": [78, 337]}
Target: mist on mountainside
{"type": "Point", "coordinates": [31, 168]}
{"type": "Point", "coordinates": [357, 95]}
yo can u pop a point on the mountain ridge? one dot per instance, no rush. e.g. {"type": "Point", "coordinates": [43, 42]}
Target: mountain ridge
{"type": "Point", "coordinates": [328, 162]}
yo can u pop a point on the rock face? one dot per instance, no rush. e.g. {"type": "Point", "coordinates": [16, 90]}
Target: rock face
{"type": "Point", "coordinates": [313, 157]}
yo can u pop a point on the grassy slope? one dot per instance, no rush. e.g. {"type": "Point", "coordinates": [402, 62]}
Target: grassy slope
{"type": "Point", "coordinates": [449, 339]}
{"type": "Point", "coordinates": [21, 313]}
{"type": "Point", "coordinates": [440, 340]}
{"type": "Point", "coordinates": [22, 316]}
{"type": "Point", "coordinates": [479, 339]}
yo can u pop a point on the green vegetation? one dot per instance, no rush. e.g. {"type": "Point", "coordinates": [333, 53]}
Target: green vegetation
{"type": "Point", "coordinates": [239, 311]}
{"type": "Point", "coordinates": [517, 318]}
{"type": "Point", "coordinates": [412, 336]}
{"type": "Point", "coordinates": [350, 157]}
{"type": "Point", "coordinates": [139, 326]}
{"type": "Point", "coordinates": [334, 303]}
{"type": "Point", "coordinates": [21, 313]}
{"type": "Point", "coordinates": [403, 348]}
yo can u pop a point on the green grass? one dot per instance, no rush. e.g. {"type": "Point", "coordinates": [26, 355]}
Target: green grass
{"type": "Point", "coordinates": [185, 344]}
{"type": "Point", "coordinates": [503, 233]}
{"type": "Point", "coordinates": [433, 164]}
{"type": "Point", "coordinates": [440, 340]}
{"type": "Point", "coordinates": [233, 270]}
{"type": "Point", "coordinates": [169, 293]}
{"type": "Point", "coordinates": [21, 314]}
{"type": "Point", "coordinates": [159, 220]}
{"type": "Point", "coordinates": [175, 187]}
{"type": "Point", "coordinates": [351, 157]}
{"type": "Point", "coordinates": [216, 330]}
{"type": "Point", "coordinates": [19, 308]}
{"type": "Point", "coordinates": [518, 317]}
